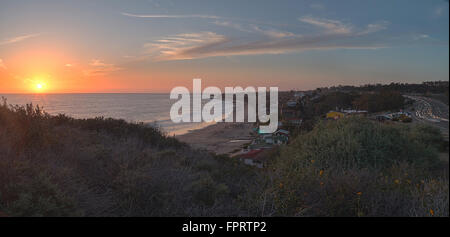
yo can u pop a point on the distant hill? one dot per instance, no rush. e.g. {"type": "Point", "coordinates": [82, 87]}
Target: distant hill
{"type": "Point", "coordinates": [424, 87]}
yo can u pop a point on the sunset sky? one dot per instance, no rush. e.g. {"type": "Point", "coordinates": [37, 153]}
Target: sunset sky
{"type": "Point", "coordinates": [153, 46]}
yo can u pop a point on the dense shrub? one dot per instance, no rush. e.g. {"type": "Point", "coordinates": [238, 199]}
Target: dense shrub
{"type": "Point", "coordinates": [356, 167]}
{"type": "Point", "coordinates": [60, 166]}
{"type": "Point", "coordinates": [384, 100]}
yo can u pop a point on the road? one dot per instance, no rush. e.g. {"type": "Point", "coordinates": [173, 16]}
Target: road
{"type": "Point", "coordinates": [432, 112]}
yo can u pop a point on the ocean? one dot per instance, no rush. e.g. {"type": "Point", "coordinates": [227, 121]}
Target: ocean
{"type": "Point", "coordinates": [151, 109]}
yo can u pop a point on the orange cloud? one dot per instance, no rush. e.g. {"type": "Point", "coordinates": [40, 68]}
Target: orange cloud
{"type": "Point", "coordinates": [99, 68]}
{"type": "Point", "coordinates": [18, 39]}
{"type": "Point", "coordinates": [2, 65]}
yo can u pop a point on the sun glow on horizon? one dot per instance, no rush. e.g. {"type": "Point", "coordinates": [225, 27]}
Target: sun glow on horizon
{"type": "Point", "coordinates": [39, 86]}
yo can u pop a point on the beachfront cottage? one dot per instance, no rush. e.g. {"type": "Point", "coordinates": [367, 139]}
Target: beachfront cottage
{"type": "Point", "coordinates": [281, 136]}
{"type": "Point", "coordinates": [268, 139]}
{"type": "Point", "coordinates": [262, 141]}
{"type": "Point", "coordinates": [256, 157]}
{"type": "Point", "coordinates": [251, 158]}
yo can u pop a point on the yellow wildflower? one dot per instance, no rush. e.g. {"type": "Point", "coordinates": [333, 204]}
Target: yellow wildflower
{"type": "Point", "coordinates": [397, 181]}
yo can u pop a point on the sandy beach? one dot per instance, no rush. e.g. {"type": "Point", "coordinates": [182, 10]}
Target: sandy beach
{"type": "Point", "coordinates": [220, 138]}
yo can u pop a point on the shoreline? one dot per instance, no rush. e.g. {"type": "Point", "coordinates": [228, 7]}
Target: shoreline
{"type": "Point", "coordinates": [220, 138]}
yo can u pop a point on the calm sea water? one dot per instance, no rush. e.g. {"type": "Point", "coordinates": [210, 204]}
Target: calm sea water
{"type": "Point", "coordinates": [146, 108]}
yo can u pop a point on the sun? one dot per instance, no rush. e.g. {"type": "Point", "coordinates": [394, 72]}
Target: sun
{"type": "Point", "coordinates": [39, 86]}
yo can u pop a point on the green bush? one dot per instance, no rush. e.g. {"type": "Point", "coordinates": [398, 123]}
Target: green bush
{"type": "Point", "coordinates": [356, 167]}
{"type": "Point", "coordinates": [60, 166]}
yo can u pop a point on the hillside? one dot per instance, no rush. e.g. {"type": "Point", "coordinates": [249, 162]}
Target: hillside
{"type": "Point", "coordinates": [60, 166]}
{"type": "Point", "coordinates": [357, 167]}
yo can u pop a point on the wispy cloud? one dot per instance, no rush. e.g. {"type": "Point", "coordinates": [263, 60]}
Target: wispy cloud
{"type": "Point", "coordinates": [2, 64]}
{"type": "Point", "coordinates": [99, 68]}
{"type": "Point", "coordinates": [421, 37]}
{"type": "Point", "coordinates": [232, 25]}
{"type": "Point", "coordinates": [171, 16]}
{"type": "Point", "coordinates": [441, 9]}
{"type": "Point", "coordinates": [332, 26]}
{"type": "Point", "coordinates": [333, 34]}
{"type": "Point", "coordinates": [375, 27]}
{"type": "Point", "coordinates": [199, 16]}
{"type": "Point", "coordinates": [18, 39]}
{"type": "Point", "coordinates": [176, 47]}
{"type": "Point", "coordinates": [252, 28]}
{"type": "Point", "coordinates": [211, 44]}
{"type": "Point", "coordinates": [272, 32]}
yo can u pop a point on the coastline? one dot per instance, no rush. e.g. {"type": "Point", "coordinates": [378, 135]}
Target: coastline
{"type": "Point", "coordinates": [220, 138]}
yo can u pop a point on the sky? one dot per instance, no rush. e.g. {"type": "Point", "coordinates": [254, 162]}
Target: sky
{"type": "Point", "coordinates": [153, 46]}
